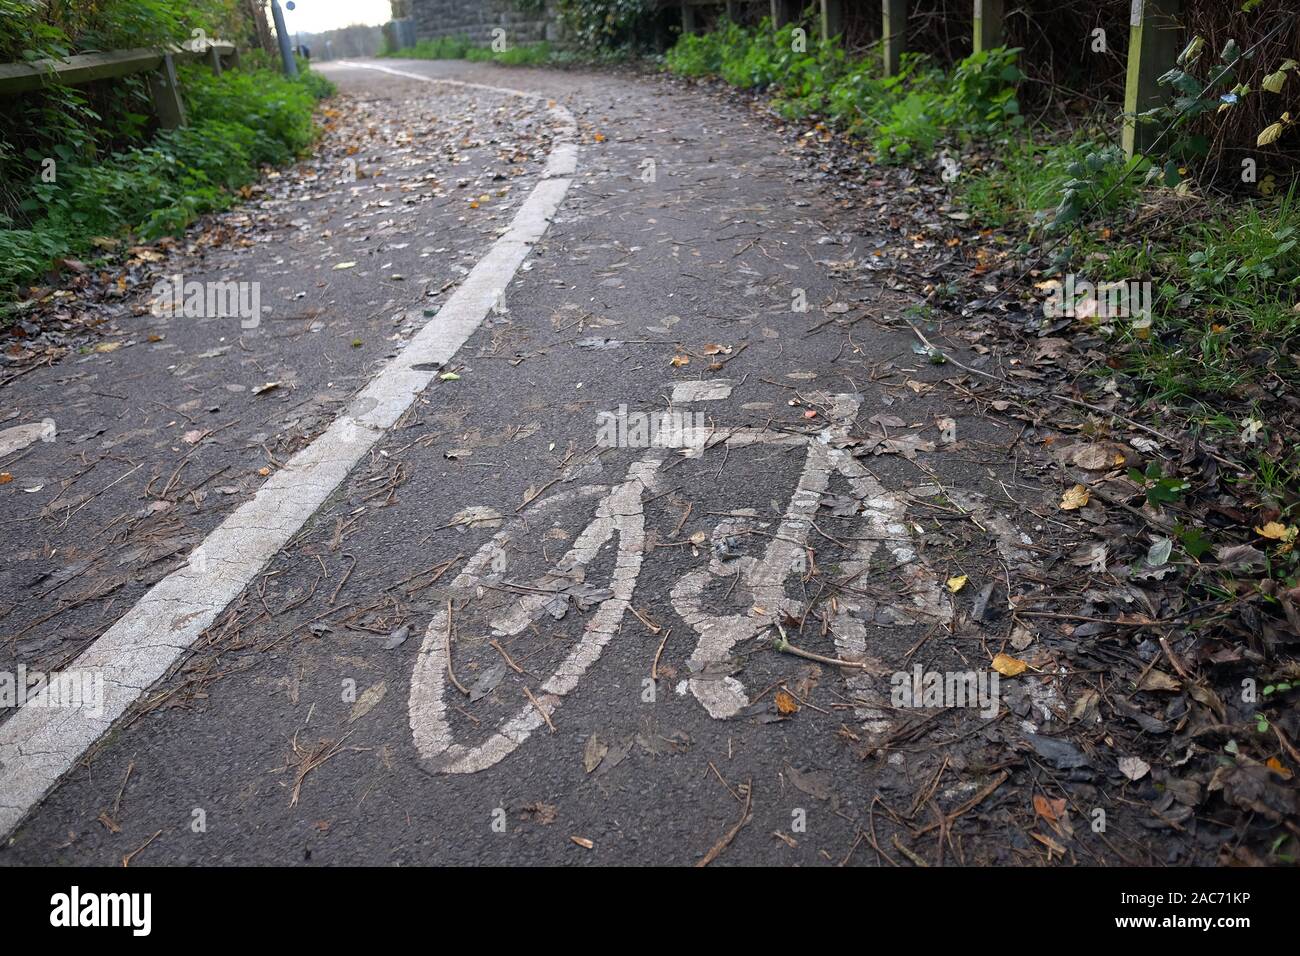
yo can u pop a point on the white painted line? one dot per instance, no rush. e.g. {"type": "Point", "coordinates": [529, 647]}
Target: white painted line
{"type": "Point", "coordinates": [39, 743]}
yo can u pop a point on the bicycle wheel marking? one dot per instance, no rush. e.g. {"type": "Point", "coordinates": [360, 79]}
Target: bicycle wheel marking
{"type": "Point", "coordinates": [620, 512]}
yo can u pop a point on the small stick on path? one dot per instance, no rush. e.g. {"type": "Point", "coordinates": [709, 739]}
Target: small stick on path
{"type": "Point", "coordinates": [730, 835]}
{"type": "Point", "coordinates": [545, 716]}
{"type": "Point", "coordinates": [451, 673]}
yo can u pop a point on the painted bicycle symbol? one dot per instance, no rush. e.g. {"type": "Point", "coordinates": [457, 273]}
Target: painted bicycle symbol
{"type": "Point", "coordinates": [619, 513]}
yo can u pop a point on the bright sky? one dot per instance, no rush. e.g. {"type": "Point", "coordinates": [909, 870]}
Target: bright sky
{"type": "Point", "coordinates": [317, 16]}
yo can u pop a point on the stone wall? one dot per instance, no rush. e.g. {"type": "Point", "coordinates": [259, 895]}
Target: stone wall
{"type": "Point", "coordinates": [477, 19]}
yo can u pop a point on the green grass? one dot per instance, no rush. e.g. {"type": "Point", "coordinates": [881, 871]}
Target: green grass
{"type": "Point", "coordinates": [1225, 282]}
{"type": "Point", "coordinates": [239, 122]}
{"type": "Point", "coordinates": [460, 48]}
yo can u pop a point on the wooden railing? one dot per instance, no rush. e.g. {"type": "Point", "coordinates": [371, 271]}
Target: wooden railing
{"type": "Point", "coordinates": [159, 62]}
{"type": "Point", "coordinates": [1155, 37]}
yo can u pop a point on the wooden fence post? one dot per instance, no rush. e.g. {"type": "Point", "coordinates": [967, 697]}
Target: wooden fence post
{"type": "Point", "coordinates": [1155, 40]}
{"type": "Point", "coordinates": [215, 59]}
{"type": "Point", "coordinates": [988, 24]}
{"type": "Point", "coordinates": [733, 10]}
{"type": "Point", "coordinates": [894, 29]}
{"type": "Point", "coordinates": [782, 13]}
{"type": "Point", "coordinates": [688, 18]}
{"type": "Point", "coordinates": [832, 18]}
{"type": "Point", "coordinates": [167, 102]}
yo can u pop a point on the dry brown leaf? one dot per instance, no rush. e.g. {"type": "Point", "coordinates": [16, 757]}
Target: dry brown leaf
{"type": "Point", "coordinates": [1158, 680]}
{"type": "Point", "coordinates": [1051, 810]}
{"type": "Point", "coordinates": [1074, 499]}
{"type": "Point", "coordinates": [1009, 666]}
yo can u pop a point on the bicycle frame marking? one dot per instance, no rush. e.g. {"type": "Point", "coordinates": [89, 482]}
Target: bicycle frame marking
{"type": "Point", "coordinates": [621, 512]}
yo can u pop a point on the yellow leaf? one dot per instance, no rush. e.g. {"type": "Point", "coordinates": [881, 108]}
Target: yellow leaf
{"type": "Point", "coordinates": [957, 583]}
{"type": "Point", "coordinates": [1273, 82]}
{"type": "Point", "coordinates": [1276, 531]}
{"type": "Point", "coordinates": [1008, 666]}
{"type": "Point", "coordinates": [1074, 499]}
{"type": "Point", "coordinates": [786, 704]}
{"type": "Point", "coordinates": [1269, 135]}
{"type": "Point", "coordinates": [679, 360]}
{"type": "Point", "coordinates": [5, 477]}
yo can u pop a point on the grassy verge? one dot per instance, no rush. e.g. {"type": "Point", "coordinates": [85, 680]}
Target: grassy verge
{"type": "Point", "coordinates": [897, 118]}
{"type": "Point", "coordinates": [525, 54]}
{"type": "Point", "coordinates": [239, 122]}
{"type": "Point", "coordinates": [460, 48]}
{"type": "Point", "coordinates": [1217, 353]}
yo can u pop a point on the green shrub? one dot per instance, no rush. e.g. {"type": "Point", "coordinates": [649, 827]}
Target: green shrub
{"type": "Point", "coordinates": [606, 24]}
{"type": "Point", "coordinates": [277, 109]}
{"type": "Point", "coordinates": [239, 121]}
{"type": "Point", "coordinates": [898, 115]}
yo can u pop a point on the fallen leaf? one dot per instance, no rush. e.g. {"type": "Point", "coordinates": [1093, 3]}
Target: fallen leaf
{"type": "Point", "coordinates": [1094, 457]}
{"type": "Point", "coordinates": [1278, 768]}
{"type": "Point", "coordinates": [1135, 768]}
{"type": "Point", "coordinates": [583, 841]}
{"type": "Point", "coordinates": [786, 704]}
{"type": "Point", "coordinates": [1156, 679]}
{"type": "Point", "coordinates": [593, 753]}
{"type": "Point", "coordinates": [1008, 666]}
{"type": "Point", "coordinates": [1051, 810]}
{"type": "Point", "coordinates": [957, 583]}
{"type": "Point", "coordinates": [369, 698]}
{"type": "Point", "coordinates": [1074, 499]}
{"type": "Point", "coordinates": [1276, 531]}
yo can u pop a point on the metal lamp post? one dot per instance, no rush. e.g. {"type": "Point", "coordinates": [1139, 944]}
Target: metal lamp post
{"type": "Point", "coordinates": [286, 49]}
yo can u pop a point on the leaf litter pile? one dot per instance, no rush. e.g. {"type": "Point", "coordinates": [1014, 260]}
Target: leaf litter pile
{"type": "Point", "coordinates": [1158, 608]}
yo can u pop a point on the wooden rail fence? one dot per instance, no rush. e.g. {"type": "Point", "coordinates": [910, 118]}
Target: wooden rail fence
{"type": "Point", "coordinates": [1155, 38]}
{"type": "Point", "coordinates": [158, 62]}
